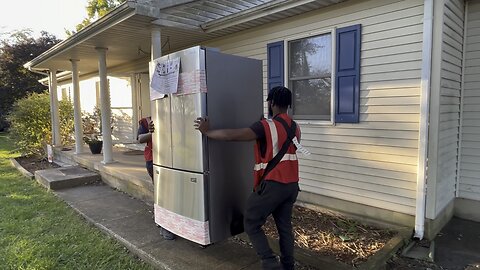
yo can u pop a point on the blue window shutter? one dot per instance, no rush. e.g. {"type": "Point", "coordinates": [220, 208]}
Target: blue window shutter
{"type": "Point", "coordinates": [275, 64]}
{"type": "Point", "coordinates": [347, 86]}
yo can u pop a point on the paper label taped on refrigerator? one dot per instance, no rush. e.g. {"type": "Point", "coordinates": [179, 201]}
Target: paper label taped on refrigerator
{"type": "Point", "coordinates": [165, 77]}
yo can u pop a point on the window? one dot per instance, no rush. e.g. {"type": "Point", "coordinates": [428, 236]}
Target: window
{"type": "Point", "coordinates": [310, 77]}
{"type": "Point", "coordinates": [309, 64]}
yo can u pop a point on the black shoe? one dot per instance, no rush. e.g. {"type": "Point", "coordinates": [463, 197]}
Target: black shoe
{"type": "Point", "coordinates": [271, 264]}
{"type": "Point", "coordinates": [167, 235]}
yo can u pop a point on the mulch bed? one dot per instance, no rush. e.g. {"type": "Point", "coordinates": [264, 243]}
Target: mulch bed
{"type": "Point", "coordinates": [333, 235]}
{"type": "Point", "coordinates": [35, 163]}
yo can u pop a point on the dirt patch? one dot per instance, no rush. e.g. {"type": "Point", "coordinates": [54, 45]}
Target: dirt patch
{"type": "Point", "coordinates": [35, 163]}
{"type": "Point", "coordinates": [333, 235]}
{"type": "Point", "coordinates": [298, 265]}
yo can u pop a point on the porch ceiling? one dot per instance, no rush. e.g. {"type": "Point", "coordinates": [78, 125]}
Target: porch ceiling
{"type": "Point", "coordinates": [126, 31]}
{"type": "Point", "coordinates": [126, 41]}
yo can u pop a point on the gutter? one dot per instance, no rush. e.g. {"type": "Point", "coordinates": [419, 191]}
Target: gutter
{"type": "Point", "coordinates": [38, 72]}
{"type": "Point", "coordinates": [121, 13]}
{"type": "Point", "coordinates": [424, 119]}
{"type": "Point", "coordinates": [60, 76]}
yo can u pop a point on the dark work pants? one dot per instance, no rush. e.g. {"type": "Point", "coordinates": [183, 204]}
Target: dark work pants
{"type": "Point", "coordinates": [276, 199]}
{"type": "Point", "coordinates": [149, 166]}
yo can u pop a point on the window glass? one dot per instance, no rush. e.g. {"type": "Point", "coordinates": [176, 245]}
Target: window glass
{"type": "Point", "coordinates": [310, 69]}
{"type": "Point", "coordinates": [311, 98]}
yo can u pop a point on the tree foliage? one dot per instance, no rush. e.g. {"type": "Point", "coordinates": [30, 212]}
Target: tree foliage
{"type": "Point", "coordinates": [16, 81]}
{"type": "Point", "coordinates": [31, 126]}
{"type": "Point", "coordinates": [95, 9]}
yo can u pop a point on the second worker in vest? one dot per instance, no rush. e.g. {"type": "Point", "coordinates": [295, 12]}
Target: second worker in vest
{"type": "Point", "coordinates": [276, 191]}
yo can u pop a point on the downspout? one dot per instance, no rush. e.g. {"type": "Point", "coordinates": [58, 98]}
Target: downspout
{"type": "Point", "coordinates": [462, 94]}
{"type": "Point", "coordinates": [424, 119]}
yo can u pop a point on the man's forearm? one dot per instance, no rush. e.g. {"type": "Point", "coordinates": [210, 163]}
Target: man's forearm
{"type": "Point", "coordinates": [143, 138]}
{"type": "Point", "coordinates": [221, 134]}
{"type": "Point", "coordinates": [239, 134]}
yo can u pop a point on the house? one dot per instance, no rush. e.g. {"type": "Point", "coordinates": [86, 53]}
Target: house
{"type": "Point", "coordinates": [386, 91]}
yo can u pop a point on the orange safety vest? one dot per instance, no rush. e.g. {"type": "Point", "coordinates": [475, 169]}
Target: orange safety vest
{"type": "Point", "coordinates": [286, 170]}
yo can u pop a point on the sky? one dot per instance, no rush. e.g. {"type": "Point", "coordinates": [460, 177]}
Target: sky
{"type": "Point", "coordinates": [53, 16]}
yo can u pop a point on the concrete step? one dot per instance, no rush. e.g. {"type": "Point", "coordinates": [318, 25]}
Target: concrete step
{"type": "Point", "coordinates": [67, 177]}
{"type": "Point", "coordinates": [127, 173]}
{"type": "Point", "coordinates": [420, 250]}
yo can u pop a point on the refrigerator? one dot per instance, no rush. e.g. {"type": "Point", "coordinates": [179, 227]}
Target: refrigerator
{"type": "Point", "coordinates": [201, 185]}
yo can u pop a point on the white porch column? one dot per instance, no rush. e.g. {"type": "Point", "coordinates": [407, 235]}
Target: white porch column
{"type": "Point", "coordinates": [156, 51]}
{"type": "Point", "coordinates": [77, 109]}
{"type": "Point", "coordinates": [105, 106]}
{"type": "Point", "coordinates": [156, 43]}
{"type": "Point", "coordinates": [56, 139]}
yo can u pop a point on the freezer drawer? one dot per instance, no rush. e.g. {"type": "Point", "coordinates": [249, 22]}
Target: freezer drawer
{"type": "Point", "coordinates": [180, 192]}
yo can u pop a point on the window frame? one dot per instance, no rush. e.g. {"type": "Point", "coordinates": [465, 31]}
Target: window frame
{"type": "Point", "coordinates": [332, 32]}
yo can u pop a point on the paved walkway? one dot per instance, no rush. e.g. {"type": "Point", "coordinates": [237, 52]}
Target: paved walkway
{"type": "Point", "coordinates": [131, 222]}
{"type": "Point", "coordinates": [458, 245]}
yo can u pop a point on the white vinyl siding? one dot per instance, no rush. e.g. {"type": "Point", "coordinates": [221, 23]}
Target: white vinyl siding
{"type": "Point", "coordinates": [450, 88]}
{"type": "Point", "coordinates": [373, 162]}
{"type": "Point", "coordinates": [469, 180]}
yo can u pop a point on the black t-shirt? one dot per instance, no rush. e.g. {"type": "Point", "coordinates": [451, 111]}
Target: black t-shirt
{"type": "Point", "coordinates": [257, 127]}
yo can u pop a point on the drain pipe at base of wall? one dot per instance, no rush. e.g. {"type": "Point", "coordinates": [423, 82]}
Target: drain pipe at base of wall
{"type": "Point", "coordinates": [424, 119]}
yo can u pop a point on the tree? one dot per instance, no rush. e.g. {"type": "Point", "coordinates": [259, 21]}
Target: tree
{"type": "Point", "coordinates": [95, 9]}
{"type": "Point", "coordinates": [16, 81]}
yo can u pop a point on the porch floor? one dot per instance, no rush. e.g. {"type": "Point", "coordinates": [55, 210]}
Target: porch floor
{"type": "Point", "coordinates": [127, 173]}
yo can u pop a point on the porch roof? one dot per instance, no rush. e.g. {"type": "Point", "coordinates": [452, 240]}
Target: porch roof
{"type": "Point", "coordinates": [126, 30]}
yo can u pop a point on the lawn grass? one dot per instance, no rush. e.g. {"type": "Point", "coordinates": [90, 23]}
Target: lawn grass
{"type": "Point", "coordinates": [39, 231]}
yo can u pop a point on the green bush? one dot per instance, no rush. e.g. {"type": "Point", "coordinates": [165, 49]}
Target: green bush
{"type": "Point", "coordinates": [31, 127]}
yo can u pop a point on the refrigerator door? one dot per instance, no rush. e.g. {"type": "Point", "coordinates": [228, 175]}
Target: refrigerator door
{"type": "Point", "coordinates": [176, 144]}
{"type": "Point", "coordinates": [187, 105]}
{"type": "Point", "coordinates": [187, 144]}
{"type": "Point", "coordinates": [162, 137]}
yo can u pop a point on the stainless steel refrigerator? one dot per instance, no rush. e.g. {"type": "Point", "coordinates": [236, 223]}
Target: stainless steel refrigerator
{"type": "Point", "coordinates": [201, 185]}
